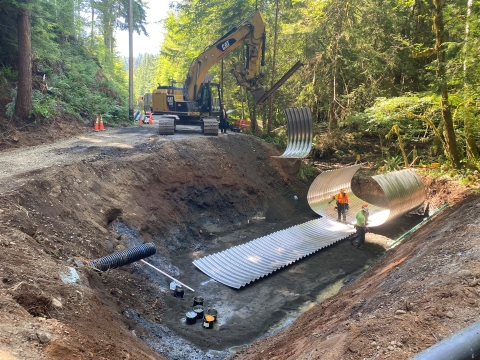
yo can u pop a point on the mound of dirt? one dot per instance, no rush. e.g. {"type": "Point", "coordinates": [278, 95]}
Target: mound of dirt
{"type": "Point", "coordinates": [40, 132]}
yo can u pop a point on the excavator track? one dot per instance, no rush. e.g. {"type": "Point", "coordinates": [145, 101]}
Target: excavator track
{"type": "Point", "coordinates": [210, 126]}
{"type": "Point", "coordinates": [166, 125]}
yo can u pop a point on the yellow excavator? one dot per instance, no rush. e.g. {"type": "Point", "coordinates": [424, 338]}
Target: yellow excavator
{"type": "Point", "coordinates": [198, 101]}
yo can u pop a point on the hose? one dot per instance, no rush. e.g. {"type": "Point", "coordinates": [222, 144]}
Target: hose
{"type": "Point", "coordinates": [124, 257]}
{"type": "Point", "coordinates": [462, 345]}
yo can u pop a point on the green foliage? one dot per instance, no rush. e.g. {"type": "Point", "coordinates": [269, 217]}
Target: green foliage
{"type": "Point", "coordinates": [277, 138]}
{"type": "Point", "coordinates": [144, 75]}
{"type": "Point", "coordinates": [43, 105]}
{"type": "Point", "coordinates": [9, 73]}
{"type": "Point", "coordinates": [10, 107]}
{"type": "Point", "coordinates": [408, 111]}
{"type": "Point", "coordinates": [323, 146]}
{"type": "Point", "coordinates": [307, 171]}
{"type": "Point", "coordinates": [392, 163]}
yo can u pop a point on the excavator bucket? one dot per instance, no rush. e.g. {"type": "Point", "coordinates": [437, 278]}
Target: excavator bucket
{"type": "Point", "coordinates": [260, 97]}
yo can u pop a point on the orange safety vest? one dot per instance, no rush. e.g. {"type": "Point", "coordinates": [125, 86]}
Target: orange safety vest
{"type": "Point", "coordinates": [342, 198]}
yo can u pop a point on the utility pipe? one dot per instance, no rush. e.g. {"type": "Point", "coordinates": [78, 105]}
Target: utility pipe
{"type": "Point", "coordinates": [462, 345]}
{"type": "Point", "coordinates": [417, 226]}
{"type": "Point", "coordinates": [189, 288]}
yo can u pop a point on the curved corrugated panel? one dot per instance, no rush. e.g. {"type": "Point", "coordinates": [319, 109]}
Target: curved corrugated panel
{"type": "Point", "coordinates": [328, 184]}
{"type": "Point", "coordinates": [300, 132]}
{"type": "Point", "coordinates": [403, 189]}
{"type": "Point", "coordinates": [243, 264]}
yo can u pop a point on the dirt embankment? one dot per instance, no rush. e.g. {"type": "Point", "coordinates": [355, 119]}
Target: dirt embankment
{"type": "Point", "coordinates": [173, 192]}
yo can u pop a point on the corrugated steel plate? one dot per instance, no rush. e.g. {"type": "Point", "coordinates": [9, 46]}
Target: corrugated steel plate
{"type": "Point", "coordinates": [300, 132]}
{"type": "Point", "coordinates": [243, 264]}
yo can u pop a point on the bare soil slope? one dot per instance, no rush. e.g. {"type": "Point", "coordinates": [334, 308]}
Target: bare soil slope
{"type": "Point", "coordinates": [418, 294]}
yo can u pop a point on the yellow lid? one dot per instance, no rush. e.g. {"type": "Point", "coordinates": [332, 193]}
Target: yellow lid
{"type": "Point", "coordinates": [209, 318]}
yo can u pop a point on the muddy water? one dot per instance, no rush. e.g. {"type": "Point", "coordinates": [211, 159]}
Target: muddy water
{"type": "Point", "coordinates": [259, 309]}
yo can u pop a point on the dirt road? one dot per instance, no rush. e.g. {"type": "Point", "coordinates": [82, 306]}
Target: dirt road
{"type": "Point", "coordinates": [64, 204]}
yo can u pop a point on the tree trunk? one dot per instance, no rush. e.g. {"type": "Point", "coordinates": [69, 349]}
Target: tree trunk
{"type": "Point", "coordinates": [449, 131]}
{"type": "Point", "coordinates": [275, 37]}
{"type": "Point", "coordinates": [471, 146]}
{"type": "Point", "coordinates": [92, 33]}
{"type": "Point", "coordinates": [332, 112]}
{"type": "Point", "coordinates": [23, 105]}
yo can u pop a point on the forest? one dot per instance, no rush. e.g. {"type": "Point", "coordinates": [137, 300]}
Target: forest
{"type": "Point", "coordinates": [402, 73]}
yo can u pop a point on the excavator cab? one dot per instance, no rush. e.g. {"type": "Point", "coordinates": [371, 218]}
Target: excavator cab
{"type": "Point", "coordinates": [208, 99]}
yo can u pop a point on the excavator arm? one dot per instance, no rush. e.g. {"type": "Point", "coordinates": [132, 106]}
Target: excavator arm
{"type": "Point", "coordinates": [251, 32]}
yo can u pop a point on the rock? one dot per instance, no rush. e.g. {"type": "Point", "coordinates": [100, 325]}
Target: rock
{"type": "Point", "coordinates": [464, 273]}
{"type": "Point", "coordinates": [120, 247]}
{"type": "Point", "coordinates": [391, 348]}
{"type": "Point", "coordinates": [57, 303]}
{"type": "Point", "coordinates": [70, 276]}
{"type": "Point", "coordinates": [43, 337]}
{"type": "Point", "coordinates": [109, 245]}
{"type": "Point", "coordinates": [400, 312]}
{"type": "Point", "coordinates": [79, 263]}
{"type": "Point", "coordinates": [474, 282]}
{"type": "Point", "coordinates": [56, 191]}
{"type": "Point", "coordinates": [449, 314]}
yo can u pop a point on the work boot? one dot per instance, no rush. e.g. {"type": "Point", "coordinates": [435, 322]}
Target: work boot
{"type": "Point", "coordinates": [360, 247]}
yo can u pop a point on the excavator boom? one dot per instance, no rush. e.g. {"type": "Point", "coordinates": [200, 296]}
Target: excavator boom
{"type": "Point", "coordinates": [251, 32]}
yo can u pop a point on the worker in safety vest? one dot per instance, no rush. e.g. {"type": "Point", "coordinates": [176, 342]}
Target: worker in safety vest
{"type": "Point", "coordinates": [361, 226]}
{"type": "Point", "coordinates": [342, 204]}
{"type": "Point", "coordinates": [223, 119]}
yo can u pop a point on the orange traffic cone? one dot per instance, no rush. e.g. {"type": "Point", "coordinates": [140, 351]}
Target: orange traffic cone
{"type": "Point", "coordinates": [95, 127]}
{"type": "Point", "coordinates": [101, 124]}
{"type": "Point", "coordinates": [150, 120]}
{"type": "Point", "coordinates": [140, 120]}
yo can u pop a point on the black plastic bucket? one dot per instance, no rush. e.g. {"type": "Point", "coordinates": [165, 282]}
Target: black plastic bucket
{"type": "Point", "coordinates": [191, 317]}
{"type": "Point", "coordinates": [212, 312]}
{"type": "Point", "coordinates": [199, 311]}
{"type": "Point", "coordinates": [179, 292]}
{"type": "Point", "coordinates": [208, 321]}
{"type": "Point", "coordinates": [197, 300]}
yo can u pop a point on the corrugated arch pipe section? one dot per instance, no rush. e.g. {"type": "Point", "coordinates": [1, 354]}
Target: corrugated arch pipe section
{"type": "Point", "coordinates": [300, 133]}
{"type": "Point", "coordinates": [243, 264]}
{"type": "Point", "coordinates": [402, 191]}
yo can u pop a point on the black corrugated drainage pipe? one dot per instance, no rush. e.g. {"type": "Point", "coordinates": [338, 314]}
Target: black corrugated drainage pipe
{"type": "Point", "coordinates": [129, 256]}
{"type": "Point", "coordinates": [124, 257]}
{"type": "Point", "coordinates": [462, 345]}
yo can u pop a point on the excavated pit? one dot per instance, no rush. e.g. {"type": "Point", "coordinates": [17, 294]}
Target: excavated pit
{"type": "Point", "coordinates": [191, 197]}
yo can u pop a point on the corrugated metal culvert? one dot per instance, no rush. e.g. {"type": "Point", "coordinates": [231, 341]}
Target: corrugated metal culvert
{"type": "Point", "coordinates": [240, 265]}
